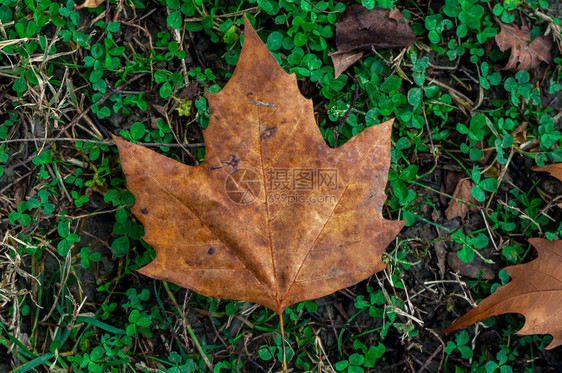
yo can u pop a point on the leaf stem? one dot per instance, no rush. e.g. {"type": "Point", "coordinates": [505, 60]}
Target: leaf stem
{"type": "Point", "coordinates": [280, 313]}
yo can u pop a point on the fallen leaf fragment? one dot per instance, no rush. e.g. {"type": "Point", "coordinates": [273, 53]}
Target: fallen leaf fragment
{"type": "Point", "coordinates": [441, 253]}
{"type": "Point", "coordinates": [361, 29]}
{"type": "Point", "coordinates": [463, 191]}
{"type": "Point", "coordinates": [535, 290]}
{"type": "Point", "coordinates": [524, 55]}
{"type": "Point", "coordinates": [449, 184]}
{"type": "Point", "coordinates": [519, 134]}
{"type": "Point", "coordinates": [89, 4]}
{"type": "Point", "coordinates": [554, 169]}
{"type": "Point", "coordinates": [343, 60]}
{"type": "Point", "coordinates": [471, 269]}
{"type": "Point", "coordinates": [272, 215]}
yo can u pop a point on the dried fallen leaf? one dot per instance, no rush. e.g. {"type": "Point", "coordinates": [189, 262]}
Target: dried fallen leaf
{"type": "Point", "coordinates": [463, 191]}
{"type": "Point", "coordinates": [342, 60]}
{"type": "Point", "coordinates": [519, 134]}
{"type": "Point", "coordinates": [524, 55]}
{"type": "Point", "coordinates": [535, 290]}
{"type": "Point", "coordinates": [554, 169]}
{"type": "Point", "coordinates": [441, 253]}
{"type": "Point", "coordinates": [272, 215]}
{"type": "Point", "coordinates": [471, 269]}
{"type": "Point", "coordinates": [89, 4]}
{"type": "Point", "coordinates": [360, 30]}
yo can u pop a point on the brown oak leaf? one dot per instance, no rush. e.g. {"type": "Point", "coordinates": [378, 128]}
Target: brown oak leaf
{"type": "Point", "coordinates": [535, 290]}
{"type": "Point", "coordinates": [272, 215]}
{"type": "Point", "coordinates": [361, 29]}
{"type": "Point", "coordinates": [524, 55]}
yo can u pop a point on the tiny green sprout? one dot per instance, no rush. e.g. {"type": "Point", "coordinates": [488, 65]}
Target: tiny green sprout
{"type": "Point", "coordinates": [87, 257]}
{"type": "Point", "coordinates": [436, 24]}
{"type": "Point", "coordinates": [139, 322]}
{"type": "Point", "coordinates": [499, 365]}
{"type": "Point", "coordinates": [79, 200]}
{"type": "Point", "coordinates": [138, 131]}
{"type": "Point", "coordinates": [470, 245]}
{"type": "Point", "coordinates": [203, 76]}
{"type": "Point", "coordinates": [488, 78]}
{"type": "Point", "coordinates": [460, 345]}
{"type": "Point", "coordinates": [505, 11]}
{"type": "Point", "coordinates": [519, 86]}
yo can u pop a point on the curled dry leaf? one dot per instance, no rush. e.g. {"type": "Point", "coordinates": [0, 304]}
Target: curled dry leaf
{"type": "Point", "coordinates": [272, 215]}
{"type": "Point", "coordinates": [89, 4]}
{"type": "Point", "coordinates": [535, 290]}
{"type": "Point", "coordinates": [360, 30]}
{"type": "Point", "coordinates": [524, 55]}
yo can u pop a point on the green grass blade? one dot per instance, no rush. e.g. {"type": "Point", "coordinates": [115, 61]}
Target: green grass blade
{"type": "Point", "coordinates": [100, 324]}
{"type": "Point", "coordinates": [33, 363]}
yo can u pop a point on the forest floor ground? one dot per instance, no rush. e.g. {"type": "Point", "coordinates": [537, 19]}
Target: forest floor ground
{"type": "Point", "coordinates": [466, 137]}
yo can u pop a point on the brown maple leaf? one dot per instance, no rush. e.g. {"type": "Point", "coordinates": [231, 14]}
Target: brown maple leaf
{"type": "Point", "coordinates": [361, 29]}
{"type": "Point", "coordinates": [524, 55]}
{"type": "Point", "coordinates": [535, 290]}
{"type": "Point", "coordinates": [272, 215]}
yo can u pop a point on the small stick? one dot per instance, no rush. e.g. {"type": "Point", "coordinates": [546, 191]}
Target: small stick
{"type": "Point", "coordinates": [444, 194]}
{"type": "Point", "coordinates": [430, 359]}
{"type": "Point", "coordinates": [427, 124]}
{"type": "Point", "coordinates": [199, 348]}
{"type": "Point", "coordinates": [188, 327]}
